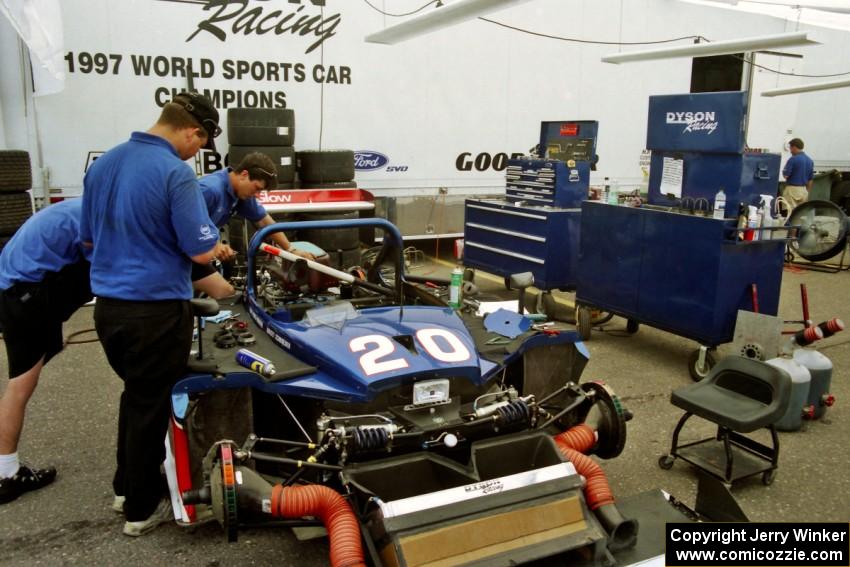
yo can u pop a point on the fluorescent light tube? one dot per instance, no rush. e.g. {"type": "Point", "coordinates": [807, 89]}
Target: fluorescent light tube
{"type": "Point", "coordinates": [807, 88]}
{"type": "Point", "coordinates": [437, 18]}
{"type": "Point", "coordinates": [714, 48]}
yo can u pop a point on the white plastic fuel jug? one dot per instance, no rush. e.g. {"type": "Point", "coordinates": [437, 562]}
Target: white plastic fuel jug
{"type": "Point", "coordinates": [801, 379]}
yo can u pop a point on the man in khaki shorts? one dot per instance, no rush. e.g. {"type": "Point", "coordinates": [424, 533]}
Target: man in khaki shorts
{"type": "Point", "coordinates": [798, 172]}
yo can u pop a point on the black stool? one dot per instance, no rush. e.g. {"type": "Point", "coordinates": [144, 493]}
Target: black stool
{"type": "Point", "coordinates": [740, 395]}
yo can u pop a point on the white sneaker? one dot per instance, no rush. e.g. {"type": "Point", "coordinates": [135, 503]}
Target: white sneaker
{"type": "Point", "coordinates": [159, 516]}
{"type": "Point", "coordinates": [118, 504]}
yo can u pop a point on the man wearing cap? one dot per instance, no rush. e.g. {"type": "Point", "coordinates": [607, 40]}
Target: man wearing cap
{"type": "Point", "coordinates": [229, 192]}
{"type": "Point", "coordinates": [144, 215]}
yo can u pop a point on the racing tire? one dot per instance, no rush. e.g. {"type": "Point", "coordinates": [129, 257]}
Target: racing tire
{"type": "Point", "coordinates": [261, 126]}
{"type": "Point", "coordinates": [698, 374]}
{"type": "Point", "coordinates": [15, 209]}
{"type": "Point", "coordinates": [15, 171]}
{"type": "Point", "coordinates": [325, 166]}
{"type": "Point", "coordinates": [331, 239]}
{"type": "Point", "coordinates": [282, 156]}
{"type": "Point", "coordinates": [583, 322]}
{"type": "Point", "coordinates": [330, 185]}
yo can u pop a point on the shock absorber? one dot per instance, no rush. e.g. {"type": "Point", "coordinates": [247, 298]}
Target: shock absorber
{"type": "Point", "coordinates": [369, 438]}
{"type": "Point", "coordinates": [516, 411]}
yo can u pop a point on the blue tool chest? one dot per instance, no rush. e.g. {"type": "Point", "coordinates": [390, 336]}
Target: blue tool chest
{"type": "Point", "coordinates": [503, 238]}
{"type": "Point", "coordinates": [536, 227]}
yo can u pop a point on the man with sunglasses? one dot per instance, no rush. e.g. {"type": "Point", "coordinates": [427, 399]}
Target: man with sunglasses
{"type": "Point", "coordinates": [229, 192]}
{"type": "Point", "coordinates": [145, 218]}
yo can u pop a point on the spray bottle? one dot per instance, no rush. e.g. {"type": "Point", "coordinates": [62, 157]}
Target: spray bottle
{"type": "Point", "coordinates": [753, 221]}
{"type": "Point", "coordinates": [767, 217]}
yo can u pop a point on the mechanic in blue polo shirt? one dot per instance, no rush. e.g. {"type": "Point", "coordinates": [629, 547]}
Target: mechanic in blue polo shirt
{"type": "Point", "coordinates": [798, 172]}
{"type": "Point", "coordinates": [145, 217]}
{"type": "Point", "coordinates": [229, 192]}
{"type": "Point", "coordinates": [44, 279]}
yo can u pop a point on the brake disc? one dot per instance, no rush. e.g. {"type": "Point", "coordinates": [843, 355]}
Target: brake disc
{"type": "Point", "coordinates": [228, 484]}
{"type": "Point", "coordinates": [611, 428]}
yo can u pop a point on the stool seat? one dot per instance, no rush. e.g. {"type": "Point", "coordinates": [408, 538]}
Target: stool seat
{"type": "Point", "coordinates": [740, 394]}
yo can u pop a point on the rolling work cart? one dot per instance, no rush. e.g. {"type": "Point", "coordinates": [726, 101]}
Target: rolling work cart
{"type": "Point", "coordinates": [670, 264]}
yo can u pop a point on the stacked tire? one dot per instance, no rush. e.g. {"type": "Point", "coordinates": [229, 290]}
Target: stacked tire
{"type": "Point", "coordinates": [330, 169]}
{"type": "Point", "coordinates": [15, 200]}
{"type": "Point", "coordinates": [267, 130]}
{"type": "Point", "coordinates": [325, 169]}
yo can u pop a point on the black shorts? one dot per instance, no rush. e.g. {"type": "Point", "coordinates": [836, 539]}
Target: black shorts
{"type": "Point", "coordinates": [32, 314]}
{"type": "Point", "coordinates": [200, 271]}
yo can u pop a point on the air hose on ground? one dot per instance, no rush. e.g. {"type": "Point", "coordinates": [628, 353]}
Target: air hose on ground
{"type": "Point", "coordinates": [334, 512]}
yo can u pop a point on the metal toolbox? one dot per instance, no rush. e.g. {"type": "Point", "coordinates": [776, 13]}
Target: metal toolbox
{"type": "Point", "coordinates": [547, 182]}
{"type": "Point", "coordinates": [503, 238]}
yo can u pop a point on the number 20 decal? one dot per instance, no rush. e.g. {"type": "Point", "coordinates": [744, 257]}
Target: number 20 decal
{"type": "Point", "coordinates": [385, 346]}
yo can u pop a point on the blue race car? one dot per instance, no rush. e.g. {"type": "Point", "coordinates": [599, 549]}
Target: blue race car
{"type": "Point", "coordinates": [412, 431]}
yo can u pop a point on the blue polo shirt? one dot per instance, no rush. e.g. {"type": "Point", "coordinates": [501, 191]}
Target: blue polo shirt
{"type": "Point", "coordinates": [144, 213]}
{"type": "Point", "coordinates": [47, 242]}
{"type": "Point", "coordinates": [799, 169]}
{"type": "Point", "coordinates": [222, 202]}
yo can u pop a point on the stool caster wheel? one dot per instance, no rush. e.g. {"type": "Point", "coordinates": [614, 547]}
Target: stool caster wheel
{"type": "Point", "coordinates": [666, 462]}
{"type": "Point", "coordinates": [632, 326]}
{"type": "Point", "coordinates": [767, 477]}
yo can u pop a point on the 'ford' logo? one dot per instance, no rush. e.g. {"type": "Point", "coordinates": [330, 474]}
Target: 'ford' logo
{"type": "Point", "coordinates": [369, 161]}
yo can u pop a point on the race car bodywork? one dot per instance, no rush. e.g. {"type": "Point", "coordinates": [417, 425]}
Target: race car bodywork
{"type": "Point", "coordinates": [385, 414]}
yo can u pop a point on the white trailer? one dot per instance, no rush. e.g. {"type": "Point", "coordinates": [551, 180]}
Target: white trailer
{"type": "Point", "coordinates": [444, 110]}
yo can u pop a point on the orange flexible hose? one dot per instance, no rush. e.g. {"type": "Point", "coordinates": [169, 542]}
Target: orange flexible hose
{"type": "Point", "coordinates": [334, 512]}
{"type": "Point", "coordinates": [581, 437]}
{"type": "Point", "coordinates": [597, 491]}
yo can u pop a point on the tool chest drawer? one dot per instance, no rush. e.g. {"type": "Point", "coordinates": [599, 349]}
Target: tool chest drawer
{"type": "Point", "coordinates": [499, 214]}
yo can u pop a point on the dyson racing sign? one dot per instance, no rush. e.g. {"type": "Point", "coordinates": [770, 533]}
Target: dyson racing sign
{"type": "Point", "coordinates": [700, 121]}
